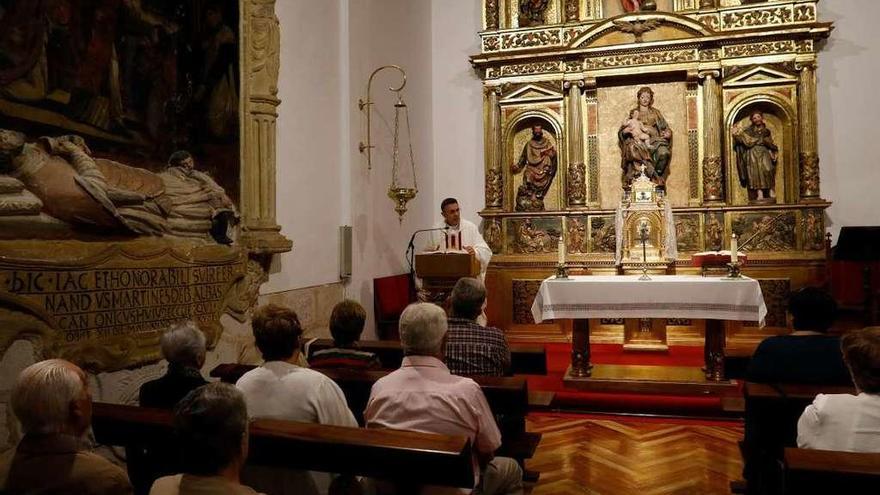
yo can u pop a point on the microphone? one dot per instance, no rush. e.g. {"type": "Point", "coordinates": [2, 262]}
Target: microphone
{"type": "Point", "coordinates": [410, 249]}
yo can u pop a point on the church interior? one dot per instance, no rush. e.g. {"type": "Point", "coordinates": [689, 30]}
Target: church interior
{"type": "Point", "coordinates": [228, 227]}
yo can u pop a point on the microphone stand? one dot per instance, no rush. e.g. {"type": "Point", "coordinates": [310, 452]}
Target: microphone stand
{"type": "Point", "coordinates": [411, 248]}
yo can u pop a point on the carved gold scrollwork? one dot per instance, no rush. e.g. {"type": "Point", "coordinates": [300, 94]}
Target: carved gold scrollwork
{"type": "Point", "coordinates": [650, 58]}
{"type": "Point", "coordinates": [491, 14]}
{"type": "Point", "coordinates": [532, 68]}
{"type": "Point", "coordinates": [576, 235]}
{"type": "Point", "coordinates": [494, 188]}
{"type": "Point", "coordinates": [756, 18]}
{"type": "Point", "coordinates": [577, 184]}
{"type": "Point", "coordinates": [492, 234]}
{"type": "Point", "coordinates": [809, 165]}
{"type": "Point", "coordinates": [755, 49]}
{"type": "Point", "coordinates": [571, 10]}
{"type": "Point", "coordinates": [491, 44]}
{"type": "Point", "coordinates": [713, 180]}
{"type": "Point", "coordinates": [530, 39]}
{"type": "Point", "coordinates": [814, 230]}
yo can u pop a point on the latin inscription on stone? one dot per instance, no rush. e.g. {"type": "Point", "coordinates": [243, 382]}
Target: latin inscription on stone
{"type": "Point", "coordinates": [109, 302]}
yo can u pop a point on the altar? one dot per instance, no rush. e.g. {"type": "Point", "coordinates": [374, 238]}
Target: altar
{"type": "Point", "coordinates": [714, 299]}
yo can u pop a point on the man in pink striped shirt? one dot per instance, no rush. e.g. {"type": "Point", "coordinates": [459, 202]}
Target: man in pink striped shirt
{"type": "Point", "coordinates": [424, 396]}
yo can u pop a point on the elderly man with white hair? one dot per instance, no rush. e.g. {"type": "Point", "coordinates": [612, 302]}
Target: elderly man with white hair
{"type": "Point", "coordinates": [424, 396]}
{"type": "Point", "coordinates": [184, 348]}
{"type": "Point", "coordinates": [51, 400]}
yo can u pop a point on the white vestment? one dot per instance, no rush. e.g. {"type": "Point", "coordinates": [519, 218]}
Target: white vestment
{"type": "Point", "coordinates": [470, 236]}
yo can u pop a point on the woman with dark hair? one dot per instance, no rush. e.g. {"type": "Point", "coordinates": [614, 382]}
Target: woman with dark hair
{"type": "Point", "coordinates": [845, 422]}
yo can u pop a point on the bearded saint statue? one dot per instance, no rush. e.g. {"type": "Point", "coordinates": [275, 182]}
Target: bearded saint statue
{"type": "Point", "coordinates": [538, 165]}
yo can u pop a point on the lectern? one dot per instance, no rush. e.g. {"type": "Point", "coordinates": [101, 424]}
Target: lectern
{"type": "Point", "coordinates": [440, 271]}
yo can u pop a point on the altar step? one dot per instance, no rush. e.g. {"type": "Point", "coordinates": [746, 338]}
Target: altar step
{"type": "Point", "coordinates": [645, 379]}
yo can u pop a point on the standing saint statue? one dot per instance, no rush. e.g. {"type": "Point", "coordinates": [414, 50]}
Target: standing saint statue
{"type": "Point", "coordinates": [756, 157]}
{"type": "Point", "coordinates": [531, 12]}
{"type": "Point", "coordinates": [653, 151]}
{"type": "Point", "coordinates": [538, 165]}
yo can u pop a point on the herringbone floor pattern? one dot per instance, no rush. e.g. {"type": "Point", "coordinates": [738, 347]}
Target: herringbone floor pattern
{"type": "Point", "coordinates": [621, 457]}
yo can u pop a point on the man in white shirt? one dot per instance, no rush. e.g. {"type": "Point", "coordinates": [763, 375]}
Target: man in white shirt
{"type": "Point", "coordinates": [844, 422]}
{"type": "Point", "coordinates": [464, 230]}
{"type": "Point", "coordinates": [280, 389]}
{"type": "Point", "coordinates": [424, 396]}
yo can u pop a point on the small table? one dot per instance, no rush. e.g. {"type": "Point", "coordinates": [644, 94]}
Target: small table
{"type": "Point", "coordinates": [714, 299]}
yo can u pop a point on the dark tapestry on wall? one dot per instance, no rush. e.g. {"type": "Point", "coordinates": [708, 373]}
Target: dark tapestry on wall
{"type": "Point", "coordinates": [135, 79]}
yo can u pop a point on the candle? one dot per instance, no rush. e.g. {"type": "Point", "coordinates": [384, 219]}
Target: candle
{"type": "Point", "coordinates": [561, 251]}
{"type": "Point", "coordinates": [561, 247]}
{"type": "Point", "coordinates": [733, 248]}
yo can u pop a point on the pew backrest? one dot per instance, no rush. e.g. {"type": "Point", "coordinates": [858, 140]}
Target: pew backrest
{"type": "Point", "coordinates": [823, 471]}
{"type": "Point", "coordinates": [526, 359]}
{"type": "Point", "coordinates": [401, 456]}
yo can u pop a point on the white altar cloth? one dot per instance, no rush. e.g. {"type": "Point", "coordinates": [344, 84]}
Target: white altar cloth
{"type": "Point", "coordinates": [664, 296]}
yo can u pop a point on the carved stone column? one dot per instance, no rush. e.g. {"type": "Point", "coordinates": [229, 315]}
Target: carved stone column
{"type": "Point", "coordinates": [491, 14]}
{"type": "Point", "coordinates": [809, 154]}
{"type": "Point", "coordinates": [261, 234]}
{"type": "Point", "coordinates": [571, 10]}
{"type": "Point", "coordinates": [713, 176]}
{"type": "Point", "coordinates": [576, 185]}
{"type": "Point", "coordinates": [494, 173]}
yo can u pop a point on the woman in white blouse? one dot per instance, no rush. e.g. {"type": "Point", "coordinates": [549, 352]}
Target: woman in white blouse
{"type": "Point", "coordinates": [845, 422]}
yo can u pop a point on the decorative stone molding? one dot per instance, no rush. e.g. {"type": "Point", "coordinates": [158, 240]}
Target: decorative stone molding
{"type": "Point", "coordinates": [260, 232]}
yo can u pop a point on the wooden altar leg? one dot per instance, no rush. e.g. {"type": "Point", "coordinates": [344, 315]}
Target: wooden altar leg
{"type": "Point", "coordinates": [580, 349]}
{"type": "Point", "coordinates": [714, 350]}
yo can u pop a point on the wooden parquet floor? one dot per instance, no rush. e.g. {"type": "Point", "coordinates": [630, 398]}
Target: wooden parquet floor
{"type": "Point", "coordinates": [618, 456]}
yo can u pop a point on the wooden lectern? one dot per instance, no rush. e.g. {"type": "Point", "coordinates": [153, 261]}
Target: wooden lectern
{"type": "Point", "coordinates": [440, 271]}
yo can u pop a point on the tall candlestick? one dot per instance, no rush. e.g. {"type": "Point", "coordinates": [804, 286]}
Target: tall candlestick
{"type": "Point", "coordinates": [733, 248]}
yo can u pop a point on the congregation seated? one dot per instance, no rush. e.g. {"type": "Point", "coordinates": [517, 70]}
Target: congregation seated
{"type": "Point", "coordinates": [473, 349]}
{"type": "Point", "coordinates": [346, 325]}
{"type": "Point", "coordinates": [211, 425]}
{"type": "Point", "coordinates": [52, 401]}
{"type": "Point", "coordinates": [844, 422]}
{"type": "Point", "coordinates": [808, 355]}
{"type": "Point", "coordinates": [281, 389]}
{"type": "Point", "coordinates": [423, 396]}
{"type": "Point", "coordinates": [183, 346]}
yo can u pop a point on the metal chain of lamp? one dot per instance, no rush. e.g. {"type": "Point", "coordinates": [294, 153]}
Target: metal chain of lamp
{"type": "Point", "coordinates": [398, 192]}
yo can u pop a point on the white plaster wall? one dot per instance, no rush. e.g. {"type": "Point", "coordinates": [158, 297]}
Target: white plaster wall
{"type": "Point", "coordinates": [849, 106]}
{"type": "Point", "coordinates": [383, 32]}
{"type": "Point", "coordinates": [457, 105]}
{"type": "Point", "coordinates": [309, 150]}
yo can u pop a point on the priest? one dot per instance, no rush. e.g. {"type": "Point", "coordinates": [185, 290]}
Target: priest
{"type": "Point", "coordinates": [461, 234]}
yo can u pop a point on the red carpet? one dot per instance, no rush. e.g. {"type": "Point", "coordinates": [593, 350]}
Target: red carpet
{"type": "Point", "coordinates": [559, 357]}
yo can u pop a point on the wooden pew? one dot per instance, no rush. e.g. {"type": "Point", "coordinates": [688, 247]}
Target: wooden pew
{"type": "Point", "coordinates": [825, 472]}
{"type": "Point", "coordinates": [772, 413]}
{"type": "Point", "coordinates": [400, 456]}
{"type": "Point", "coordinates": [525, 359]}
{"type": "Point", "coordinates": [507, 396]}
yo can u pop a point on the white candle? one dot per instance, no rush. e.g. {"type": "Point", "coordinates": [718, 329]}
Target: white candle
{"type": "Point", "coordinates": [561, 251]}
{"type": "Point", "coordinates": [733, 248]}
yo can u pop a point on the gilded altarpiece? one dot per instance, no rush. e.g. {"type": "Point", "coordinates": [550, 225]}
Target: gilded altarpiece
{"type": "Point", "coordinates": [99, 253]}
{"type": "Point", "coordinates": [719, 73]}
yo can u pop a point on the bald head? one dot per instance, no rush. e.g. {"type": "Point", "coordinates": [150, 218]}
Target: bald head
{"type": "Point", "coordinates": [52, 396]}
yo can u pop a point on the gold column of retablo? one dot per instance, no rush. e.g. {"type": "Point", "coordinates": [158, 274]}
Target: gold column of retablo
{"type": "Point", "coordinates": [576, 185]}
{"type": "Point", "coordinates": [809, 154]}
{"type": "Point", "coordinates": [494, 174]}
{"type": "Point", "coordinates": [713, 177]}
